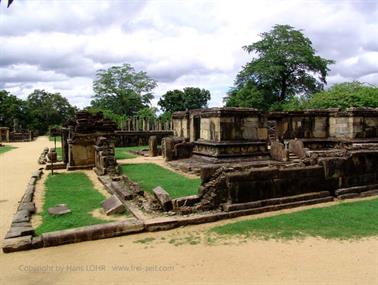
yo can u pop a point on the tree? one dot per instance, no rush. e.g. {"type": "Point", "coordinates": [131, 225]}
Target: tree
{"type": "Point", "coordinates": [122, 90]}
{"type": "Point", "coordinates": [46, 109]}
{"type": "Point", "coordinates": [12, 108]}
{"type": "Point", "coordinates": [284, 65]}
{"type": "Point", "coordinates": [188, 99]}
{"type": "Point", "coordinates": [345, 95]}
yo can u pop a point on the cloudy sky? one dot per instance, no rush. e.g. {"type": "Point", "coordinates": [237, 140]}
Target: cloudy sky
{"type": "Point", "coordinates": [59, 45]}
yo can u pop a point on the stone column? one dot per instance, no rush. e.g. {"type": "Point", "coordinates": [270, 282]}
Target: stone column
{"type": "Point", "coordinates": [7, 135]}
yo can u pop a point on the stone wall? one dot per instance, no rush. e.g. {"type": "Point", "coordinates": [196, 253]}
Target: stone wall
{"type": "Point", "coordinates": [233, 185]}
{"type": "Point", "coordinates": [131, 138]}
{"type": "Point", "coordinates": [324, 124]}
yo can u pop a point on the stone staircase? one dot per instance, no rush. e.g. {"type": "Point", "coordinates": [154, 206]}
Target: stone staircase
{"type": "Point", "coordinates": [293, 157]}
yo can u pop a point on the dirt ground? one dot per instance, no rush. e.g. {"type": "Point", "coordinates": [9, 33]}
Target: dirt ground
{"type": "Point", "coordinates": [132, 260]}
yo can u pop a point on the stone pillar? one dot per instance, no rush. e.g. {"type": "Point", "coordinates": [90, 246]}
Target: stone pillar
{"type": "Point", "coordinates": [7, 135]}
{"type": "Point", "coordinates": [152, 146]}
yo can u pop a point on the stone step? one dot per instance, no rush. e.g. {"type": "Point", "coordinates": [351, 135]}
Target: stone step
{"type": "Point", "coordinates": [275, 201]}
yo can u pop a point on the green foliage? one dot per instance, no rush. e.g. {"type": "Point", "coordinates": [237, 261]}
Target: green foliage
{"type": "Point", "coordinates": [75, 190]}
{"type": "Point", "coordinates": [147, 113]}
{"type": "Point", "coordinates": [188, 99]}
{"type": "Point", "coordinates": [46, 109]}
{"type": "Point", "coordinates": [6, 148]}
{"type": "Point", "coordinates": [285, 65]}
{"type": "Point", "coordinates": [345, 95]}
{"type": "Point", "coordinates": [122, 90]}
{"type": "Point", "coordinates": [248, 96]}
{"type": "Point", "coordinates": [343, 221]}
{"type": "Point", "coordinates": [149, 176]}
{"type": "Point", "coordinates": [12, 108]}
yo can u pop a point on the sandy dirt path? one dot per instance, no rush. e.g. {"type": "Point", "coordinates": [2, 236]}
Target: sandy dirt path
{"type": "Point", "coordinates": [127, 260]}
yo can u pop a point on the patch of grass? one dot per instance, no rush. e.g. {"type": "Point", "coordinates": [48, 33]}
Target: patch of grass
{"type": "Point", "coordinates": [6, 148]}
{"type": "Point", "coordinates": [59, 153]}
{"type": "Point", "coordinates": [124, 152]}
{"type": "Point", "coordinates": [77, 192]}
{"type": "Point", "coordinates": [343, 221]}
{"type": "Point", "coordinates": [58, 139]}
{"type": "Point", "coordinates": [145, 240]}
{"type": "Point", "coordinates": [149, 176]}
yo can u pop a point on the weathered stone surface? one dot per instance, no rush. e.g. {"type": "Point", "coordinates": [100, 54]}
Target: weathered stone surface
{"type": "Point", "coordinates": [241, 206]}
{"type": "Point", "coordinates": [29, 194]}
{"type": "Point", "coordinates": [185, 201]}
{"type": "Point", "coordinates": [348, 196]}
{"type": "Point", "coordinates": [163, 197]}
{"type": "Point", "coordinates": [356, 189]}
{"type": "Point", "coordinates": [17, 244]}
{"type": "Point", "coordinates": [121, 190]}
{"type": "Point", "coordinates": [15, 231]}
{"type": "Point", "coordinates": [369, 193]}
{"type": "Point", "coordinates": [37, 174]}
{"type": "Point", "coordinates": [297, 147]}
{"type": "Point", "coordinates": [183, 150]}
{"type": "Point", "coordinates": [207, 172]}
{"type": "Point", "coordinates": [59, 210]}
{"type": "Point", "coordinates": [152, 146]}
{"type": "Point", "coordinates": [37, 242]}
{"type": "Point", "coordinates": [278, 152]}
{"type": "Point", "coordinates": [21, 216]}
{"type": "Point", "coordinates": [29, 206]}
{"type": "Point", "coordinates": [92, 232]}
{"type": "Point", "coordinates": [113, 205]}
{"type": "Point", "coordinates": [33, 180]}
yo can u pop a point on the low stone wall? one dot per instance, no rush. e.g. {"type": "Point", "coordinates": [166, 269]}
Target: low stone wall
{"type": "Point", "coordinates": [135, 138]}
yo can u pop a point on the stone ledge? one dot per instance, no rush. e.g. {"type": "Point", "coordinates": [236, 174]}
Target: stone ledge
{"type": "Point", "coordinates": [93, 232]}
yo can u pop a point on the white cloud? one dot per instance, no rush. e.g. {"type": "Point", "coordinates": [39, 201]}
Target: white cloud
{"type": "Point", "coordinates": [58, 45]}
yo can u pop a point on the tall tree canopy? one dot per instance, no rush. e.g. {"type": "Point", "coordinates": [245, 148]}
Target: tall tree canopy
{"type": "Point", "coordinates": [285, 64]}
{"type": "Point", "coordinates": [47, 109]}
{"type": "Point", "coordinates": [190, 98]}
{"type": "Point", "coordinates": [122, 90]}
{"type": "Point", "coordinates": [12, 108]}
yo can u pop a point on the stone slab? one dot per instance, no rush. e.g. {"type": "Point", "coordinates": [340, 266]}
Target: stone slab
{"type": "Point", "coordinates": [29, 206]}
{"type": "Point", "coordinates": [93, 232]}
{"type": "Point", "coordinates": [59, 210]}
{"type": "Point", "coordinates": [113, 205]}
{"type": "Point", "coordinates": [163, 198]}
{"type": "Point", "coordinates": [21, 216]}
{"type": "Point", "coordinates": [17, 244]}
{"type": "Point", "coordinates": [15, 231]}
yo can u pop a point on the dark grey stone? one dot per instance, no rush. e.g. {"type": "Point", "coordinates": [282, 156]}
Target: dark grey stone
{"type": "Point", "coordinates": [163, 197]}
{"type": "Point", "coordinates": [19, 231]}
{"type": "Point", "coordinates": [113, 205]}
{"type": "Point", "coordinates": [21, 216]}
{"type": "Point", "coordinates": [59, 210]}
{"type": "Point", "coordinates": [17, 244]}
{"type": "Point", "coordinates": [29, 206]}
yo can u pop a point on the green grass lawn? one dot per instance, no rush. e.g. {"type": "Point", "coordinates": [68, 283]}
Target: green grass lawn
{"type": "Point", "coordinates": [6, 148]}
{"type": "Point", "coordinates": [77, 192]}
{"type": "Point", "coordinates": [59, 153]}
{"type": "Point", "coordinates": [58, 139]}
{"type": "Point", "coordinates": [124, 152]}
{"type": "Point", "coordinates": [149, 176]}
{"type": "Point", "coordinates": [343, 221]}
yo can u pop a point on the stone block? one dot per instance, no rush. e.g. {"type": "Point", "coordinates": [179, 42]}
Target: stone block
{"type": "Point", "coordinates": [15, 231]}
{"type": "Point", "coordinates": [113, 205]}
{"type": "Point", "coordinates": [152, 146]}
{"type": "Point", "coordinates": [121, 190]}
{"type": "Point", "coordinates": [21, 216]}
{"type": "Point", "coordinates": [278, 152]}
{"type": "Point", "coordinates": [163, 198]}
{"type": "Point", "coordinates": [29, 206]}
{"type": "Point", "coordinates": [58, 210]}
{"type": "Point", "coordinates": [17, 244]}
{"type": "Point", "coordinates": [297, 147]}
